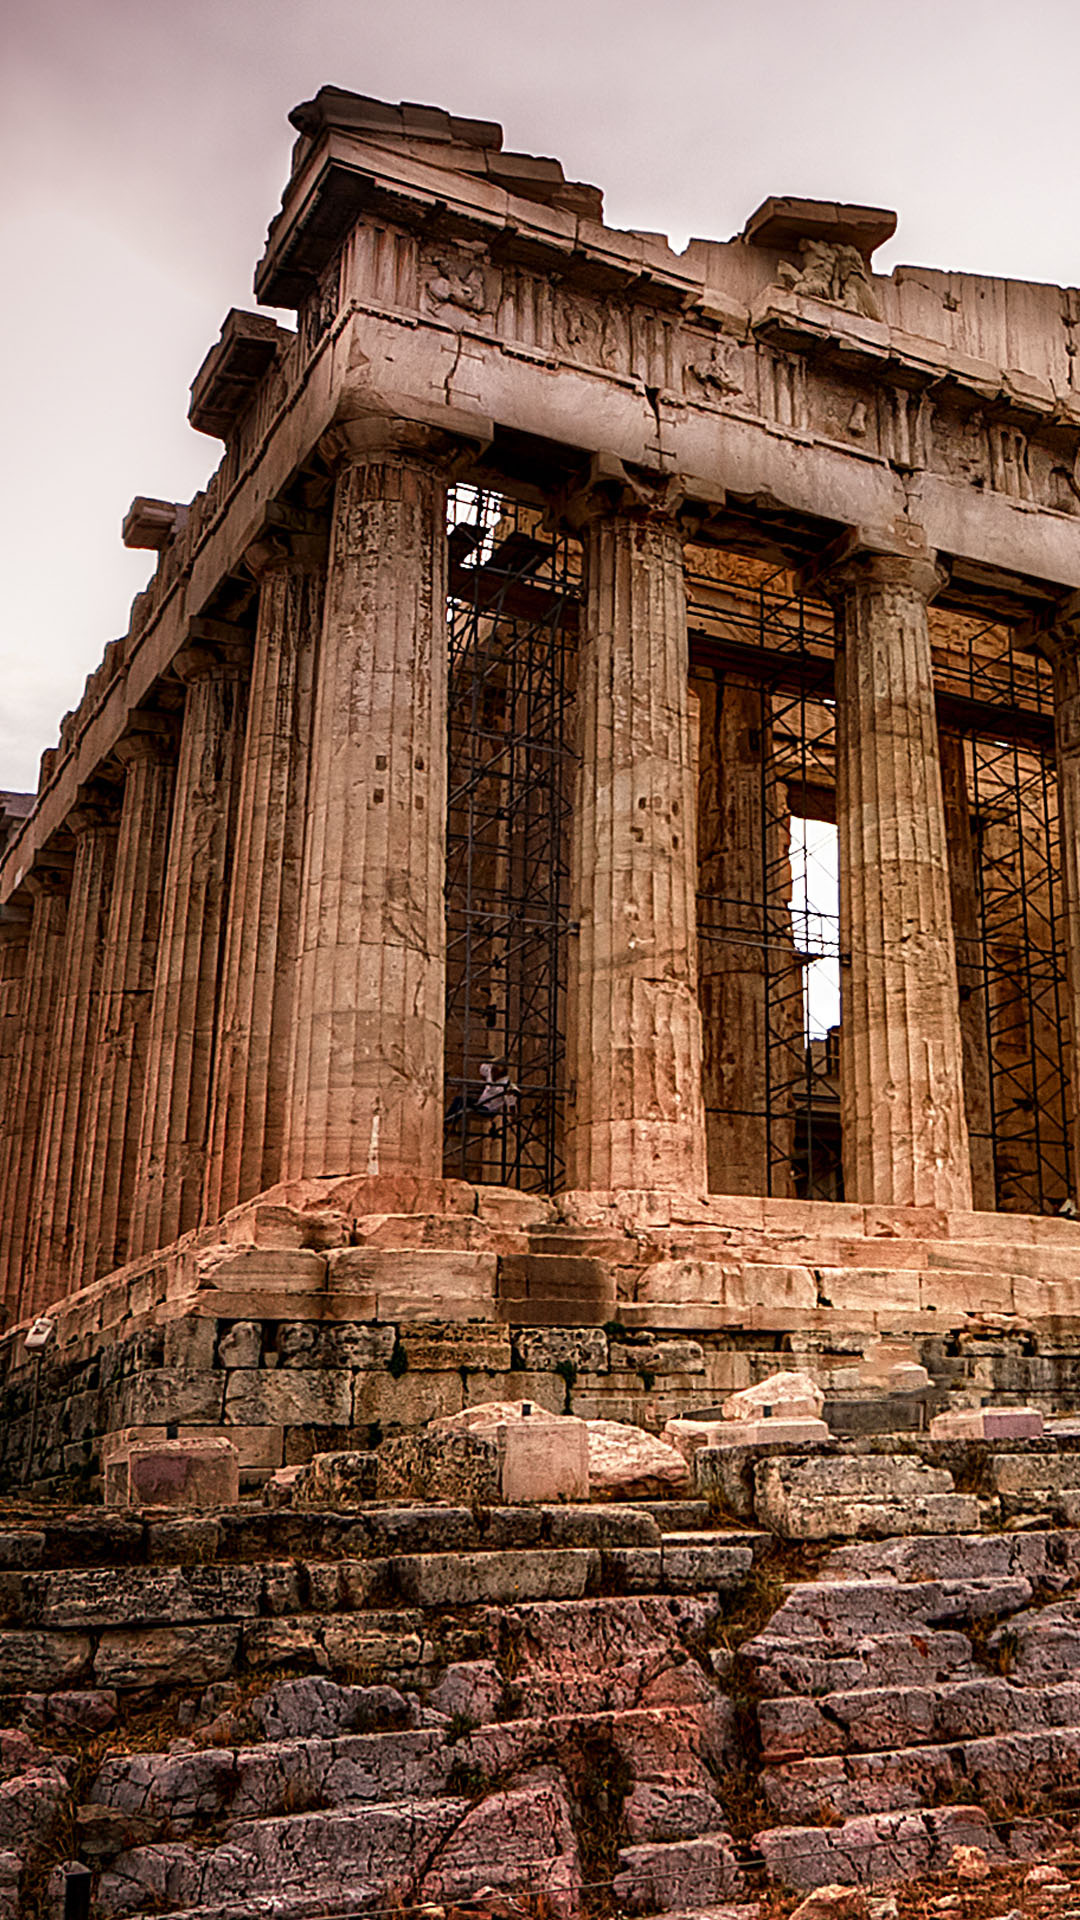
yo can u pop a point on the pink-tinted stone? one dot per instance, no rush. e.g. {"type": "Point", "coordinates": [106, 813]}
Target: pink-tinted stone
{"type": "Point", "coordinates": [183, 1473]}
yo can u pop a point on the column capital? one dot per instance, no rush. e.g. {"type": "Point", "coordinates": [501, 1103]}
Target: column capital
{"type": "Point", "coordinates": [15, 918]}
{"type": "Point", "coordinates": [213, 646]}
{"type": "Point", "coordinates": [864, 556]}
{"type": "Point", "coordinates": [279, 550]}
{"type": "Point", "coordinates": [146, 736]}
{"type": "Point", "coordinates": [448, 439]}
{"type": "Point", "coordinates": [609, 487]}
{"type": "Point", "coordinates": [89, 816]}
{"type": "Point", "coordinates": [53, 879]}
{"type": "Point", "coordinates": [1056, 631]}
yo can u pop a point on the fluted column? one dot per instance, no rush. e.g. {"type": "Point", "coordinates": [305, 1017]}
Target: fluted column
{"type": "Point", "coordinates": [60, 1135]}
{"type": "Point", "coordinates": [28, 1077]}
{"type": "Point", "coordinates": [964, 896]}
{"type": "Point", "coordinates": [125, 1000]}
{"type": "Point", "coordinates": [247, 1126]}
{"type": "Point", "coordinates": [1062, 644]}
{"type": "Point", "coordinates": [366, 1085]}
{"type": "Point", "coordinates": [180, 1055]}
{"type": "Point", "coordinates": [744, 926]}
{"type": "Point", "coordinates": [902, 1101]}
{"type": "Point", "coordinates": [14, 944]}
{"type": "Point", "coordinates": [15, 920]}
{"type": "Point", "coordinates": [634, 1029]}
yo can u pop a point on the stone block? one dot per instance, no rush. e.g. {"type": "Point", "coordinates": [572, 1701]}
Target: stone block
{"type": "Point", "coordinates": [249, 1303]}
{"type": "Point", "coordinates": [190, 1342]}
{"type": "Point", "coordinates": [544, 1390]}
{"type": "Point", "coordinates": [434, 1348]}
{"type": "Point", "coordinates": [166, 1656]}
{"type": "Point", "coordinates": [308, 1343]}
{"type": "Point", "coordinates": [552, 1276]}
{"type": "Point", "coordinates": [265, 1225]}
{"type": "Point", "coordinates": [689, 1435]}
{"type": "Point", "coordinates": [658, 1356]}
{"type": "Point", "coordinates": [507, 1207]}
{"type": "Point", "coordinates": [792, 1394]}
{"type": "Point", "coordinates": [466, 1580]}
{"type": "Point", "coordinates": [633, 1569]}
{"type": "Point", "coordinates": [182, 1473]}
{"type": "Point", "coordinates": [255, 1446]}
{"type": "Point", "coordinates": [163, 1396]}
{"type": "Point", "coordinates": [693, 1565]}
{"type": "Point", "coordinates": [418, 1273]}
{"type": "Point", "coordinates": [1037, 1473]}
{"type": "Point", "coordinates": [289, 1397]}
{"type": "Point", "coordinates": [336, 1480]}
{"type": "Point", "coordinates": [272, 1267]}
{"type": "Point", "coordinates": [542, 1349]}
{"type": "Point", "coordinates": [543, 1459]}
{"type": "Point", "coordinates": [626, 1461]}
{"type": "Point", "coordinates": [409, 1400]}
{"type": "Point", "coordinates": [43, 1662]}
{"type": "Point", "coordinates": [988, 1423]}
{"type": "Point", "coordinates": [241, 1344]}
{"type": "Point", "coordinates": [440, 1463]}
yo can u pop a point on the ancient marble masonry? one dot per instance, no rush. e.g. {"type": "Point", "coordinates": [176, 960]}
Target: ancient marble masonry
{"type": "Point", "coordinates": [434, 830]}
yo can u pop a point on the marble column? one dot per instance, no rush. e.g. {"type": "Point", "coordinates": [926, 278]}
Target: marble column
{"type": "Point", "coordinates": [963, 892]}
{"type": "Point", "coordinates": [1061, 644]}
{"type": "Point", "coordinates": [901, 1062]}
{"type": "Point", "coordinates": [148, 753]}
{"type": "Point", "coordinates": [51, 1228]}
{"type": "Point", "coordinates": [634, 1029]}
{"type": "Point", "coordinates": [14, 943]}
{"type": "Point", "coordinates": [180, 1053]}
{"type": "Point", "coordinates": [28, 1077]}
{"type": "Point", "coordinates": [247, 1125]}
{"type": "Point", "coordinates": [366, 1080]}
{"type": "Point", "coordinates": [738, 922]}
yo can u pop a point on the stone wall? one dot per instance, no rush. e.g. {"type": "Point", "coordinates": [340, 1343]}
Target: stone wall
{"type": "Point", "coordinates": [330, 1317]}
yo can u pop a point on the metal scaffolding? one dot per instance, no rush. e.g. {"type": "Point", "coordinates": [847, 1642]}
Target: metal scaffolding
{"type": "Point", "coordinates": [512, 621]}
{"type": "Point", "coordinates": [765, 940]}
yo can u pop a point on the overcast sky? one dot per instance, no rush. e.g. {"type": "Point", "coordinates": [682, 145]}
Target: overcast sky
{"type": "Point", "coordinates": [144, 146]}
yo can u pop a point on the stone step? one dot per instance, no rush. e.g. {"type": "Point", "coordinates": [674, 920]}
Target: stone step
{"type": "Point", "coordinates": [668, 1752]}
{"type": "Point", "coordinates": [253, 1533]}
{"type": "Point", "coordinates": [919, 1657]}
{"type": "Point", "coordinates": [842, 1635]}
{"type": "Point", "coordinates": [1050, 1557]}
{"type": "Point", "coordinates": [838, 1496]}
{"type": "Point", "coordinates": [876, 1847]}
{"type": "Point", "coordinates": [394, 1646]}
{"type": "Point", "coordinates": [652, 1879]}
{"type": "Point", "coordinates": [885, 1719]}
{"type": "Point", "coordinates": [1041, 1646]}
{"type": "Point", "coordinates": [996, 1769]}
{"type": "Point", "coordinates": [851, 1609]}
{"type": "Point", "coordinates": [365, 1850]}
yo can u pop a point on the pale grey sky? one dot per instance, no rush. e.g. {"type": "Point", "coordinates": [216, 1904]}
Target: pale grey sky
{"type": "Point", "coordinates": [144, 145]}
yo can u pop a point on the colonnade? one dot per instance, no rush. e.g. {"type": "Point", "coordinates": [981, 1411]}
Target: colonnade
{"type": "Point", "coordinates": [238, 975]}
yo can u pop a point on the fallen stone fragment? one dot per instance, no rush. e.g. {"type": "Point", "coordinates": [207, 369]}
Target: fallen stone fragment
{"type": "Point", "coordinates": [780, 1430]}
{"type": "Point", "coordinates": [970, 1863]}
{"type": "Point", "coordinates": [632, 1464]}
{"type": "Point", "coordinates": [335, 1480]}
{"type": "Point", "coordinates": [988, 1423]}
{"type": "Point", "coordinates": [793, 1396]}
{"type": "Point", "coordinates": [832, 1903]}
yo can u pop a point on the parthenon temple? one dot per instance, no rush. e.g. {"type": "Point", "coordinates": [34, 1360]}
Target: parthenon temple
{"type": "Point", "coordinates": [583, 826]}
